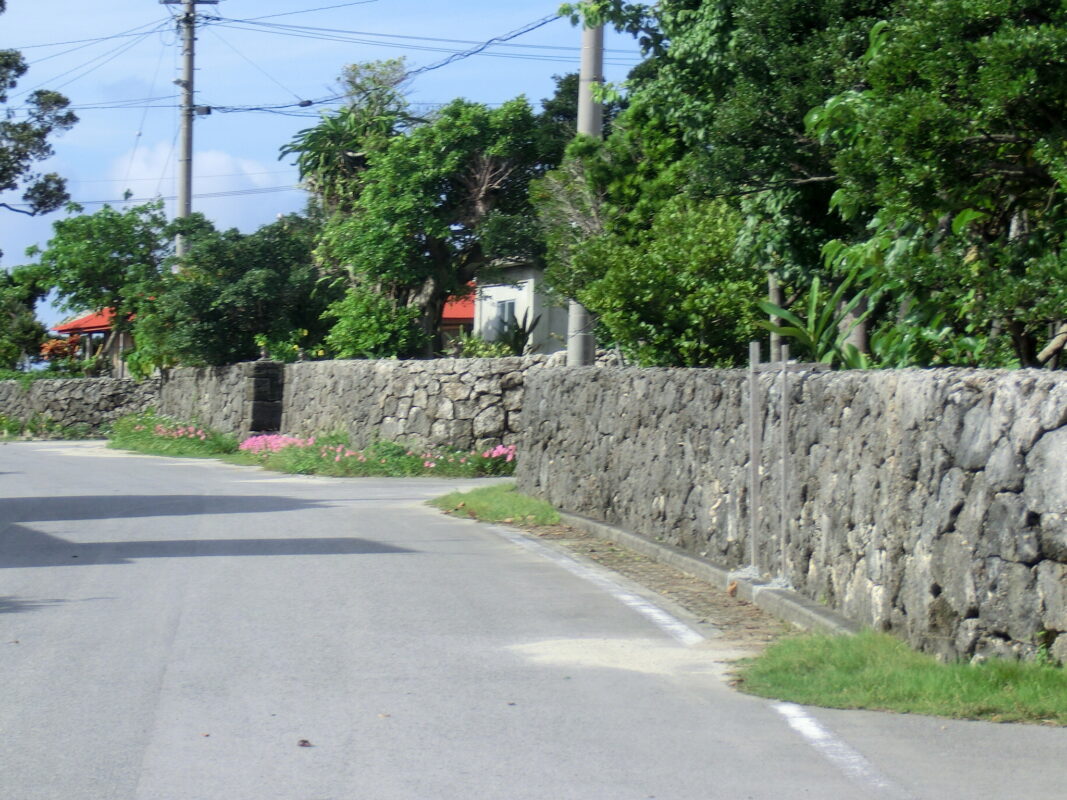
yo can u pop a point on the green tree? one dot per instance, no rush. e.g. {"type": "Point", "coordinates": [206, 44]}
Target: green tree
{"type": "Point", "coordinates": [24, 138]}
{"type": "Point", "coordinates": [440, 205]}
{"type": "Point", "coordinates": [733, 81]}
{"type": "Point", "coordinates": [674, 295]}
{"type": "Point", "coordinates": [235, 294]}
{"type": "Point", "coordinates": [951, 153]}
{"type": "Point", "coordinates": [367, 324]}
{"type": "Point", "coordinates": [417, 208]}
{"type": "Point", "coordinates": [107, 259]}
{"type": "Point", "coordinates": [21, 334]}
{"type": "Point", "coordinates": [333, 154]}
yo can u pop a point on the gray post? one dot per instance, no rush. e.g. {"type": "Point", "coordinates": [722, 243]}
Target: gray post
{"type": "Point", "coordinates": [783, 493]}
{"type": "Point", "coordinates": [754, 436]}
{"type": "Point", "coordinates": [580, 344]}
{"type": "Point", "coordinates": [774, 295]}
{"type": "Point", "coordinates": [185, 155]}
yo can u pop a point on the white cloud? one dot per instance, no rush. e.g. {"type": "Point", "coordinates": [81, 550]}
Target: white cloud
{"type": "Point", "coordinates": [150, 171]}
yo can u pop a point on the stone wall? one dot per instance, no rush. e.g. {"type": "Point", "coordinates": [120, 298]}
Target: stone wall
{"type": "Point", "coordinates": [89, 404]}
{"type": "Point", "coordinates": [929, 503]}
{"type": "Point", "coordinates": [465, 403]}
{"type": "Point", "coordinates": [237, 399]}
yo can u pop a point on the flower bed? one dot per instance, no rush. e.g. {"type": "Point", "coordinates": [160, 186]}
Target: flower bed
{"type": "Point", "coordinates": [334, 456]}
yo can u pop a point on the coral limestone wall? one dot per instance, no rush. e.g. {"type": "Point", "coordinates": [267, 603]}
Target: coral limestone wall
{"type": "Point", "coordinates": [931, 503]}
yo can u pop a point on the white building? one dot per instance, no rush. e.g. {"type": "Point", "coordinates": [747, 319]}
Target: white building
{"type": "Point", "coordinates": [500, 307]}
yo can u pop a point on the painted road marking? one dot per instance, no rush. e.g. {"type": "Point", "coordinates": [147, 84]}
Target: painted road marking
{"type": "Point", "coordinates": [841, 755]}
{"type": "Point", "coordinates": [666, 622]}
{"type": "Point", "coordinates": [850, 762]}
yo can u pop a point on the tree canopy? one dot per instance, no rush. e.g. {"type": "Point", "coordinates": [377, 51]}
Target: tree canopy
{"type": "Point", "coordinates": [24, 138]}
{"type": "Point", "coordinates": [909, 152]}
{"type": "Point", "coordinates": [417, 209]}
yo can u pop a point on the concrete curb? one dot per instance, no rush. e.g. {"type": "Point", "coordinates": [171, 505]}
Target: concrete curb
{"type": "Point", "coordinates": [785, 604]}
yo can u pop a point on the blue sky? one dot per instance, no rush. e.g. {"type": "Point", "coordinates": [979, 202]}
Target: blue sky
{"type": "Point", "coordinates": [129, 140]}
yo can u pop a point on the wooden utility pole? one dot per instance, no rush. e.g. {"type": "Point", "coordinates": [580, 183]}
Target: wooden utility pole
{"type": "Point", "coordinates": [580, 343]}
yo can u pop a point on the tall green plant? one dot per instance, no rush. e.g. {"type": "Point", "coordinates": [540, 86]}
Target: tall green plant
{"type": "Point", "coordinates": [822, 328]}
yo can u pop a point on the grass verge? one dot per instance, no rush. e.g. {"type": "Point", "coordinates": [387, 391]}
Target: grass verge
{"type": "Point", "coordinates": [500, 503]}
{"type": "Point", "coordinates": [157, 435]}
{"type": "Point", "coordinates": [876, 671]}
{"type": "Point", "coordinates": [330, 455]}
{"type": "Point", "coordinates": [40, 427]}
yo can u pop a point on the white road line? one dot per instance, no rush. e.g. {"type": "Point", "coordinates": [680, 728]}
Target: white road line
{"type": "Point", "coordinates": [850, 762]}
{"type": "Point", "coordinates": [854, 765]}
{"type": "Point", "coordinates": [668, 623]}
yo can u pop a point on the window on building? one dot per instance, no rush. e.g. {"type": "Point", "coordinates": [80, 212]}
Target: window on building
{"type": "Point", "coordinates": [505, 316]}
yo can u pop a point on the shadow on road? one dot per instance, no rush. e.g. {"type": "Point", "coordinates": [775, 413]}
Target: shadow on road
{"type": "Point", "coordinates": [75, 507]}
{"type": "Point", "coordinates": [21, 546]}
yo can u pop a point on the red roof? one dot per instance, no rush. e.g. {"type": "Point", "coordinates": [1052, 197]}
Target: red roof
{"type": "Point", "coordinates": [96, 322]}
{"type": "Point", "coordinates": [459, 309]}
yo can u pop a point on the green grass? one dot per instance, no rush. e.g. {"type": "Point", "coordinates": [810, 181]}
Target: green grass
{"type": "Point", "coordinates": [158, 435]}
{"type": "Point", "coordinates": [876, 671]}
{"type": "Point", "coordinates": [330, 455]}
{"type": "Point", "coordinates": [40, 427]}
{"type": "Point", "coordinates": [499, 503]}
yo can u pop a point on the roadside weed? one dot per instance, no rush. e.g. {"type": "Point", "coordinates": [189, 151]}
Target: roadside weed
{"type": "Point", "coordinates": [500, 503]}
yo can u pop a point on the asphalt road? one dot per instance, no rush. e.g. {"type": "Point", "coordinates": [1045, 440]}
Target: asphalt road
{"type": "Point", "coordinates": [175, 630]}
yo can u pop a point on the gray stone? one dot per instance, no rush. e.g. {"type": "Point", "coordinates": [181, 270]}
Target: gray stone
{"type": "Point", "coordinates": [1046, 477]}
{"type": "Point", "coordinates": [1052, 592]}
{"type": "Point", "coordinates": [1005, 469]}
{"type": "Point", "coordinates": [977, 438]}
{"type": "Point", "coordinates": [455, 390]}
{"type": "Point", "coordinates": [489, 422]}
{"type": "Point", "coordinates": [1008, 534]}
{"type": "Point", "coordinates": [1052, 536]}
{"type": "Point", "coordinates": [1009, 607]}
{"type": "Point", "coordinates": [1058, 650]}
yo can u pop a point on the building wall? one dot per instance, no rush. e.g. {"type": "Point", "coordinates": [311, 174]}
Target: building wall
{"type": "Point", "coordinates": [525, 291]}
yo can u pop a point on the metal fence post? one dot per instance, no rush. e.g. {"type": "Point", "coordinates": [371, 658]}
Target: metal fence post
{"type": "Point", "coordinates": [754, 447]}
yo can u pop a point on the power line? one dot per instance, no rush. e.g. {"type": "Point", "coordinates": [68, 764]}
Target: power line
{"type": "Point", "coordinates": [256, 66]}
{"type": "Point", "coordinates": [121, 35]}
{"type": "Point", "coordinates": [564, 57]}
{"type": "Point", "coordinates": [298, 29]}
{"type": "Point", "coordinates": [203, 196]}
{"type": "Point", "coordinates": [287, 108]}
{"type": "Point", "coordinates": [102, 58]}
{"type": "Point", "coordinates": [198, 177]}
{"type": "Point", "coordinates": [309, 10]}
{"type": "Point", "coordinates": [144, 116]}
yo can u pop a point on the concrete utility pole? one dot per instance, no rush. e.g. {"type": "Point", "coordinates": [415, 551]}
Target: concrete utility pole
{"type": "Point", "coordinates": [580, 343]}
{"type": "Point", "coordinates": [187, 21]}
